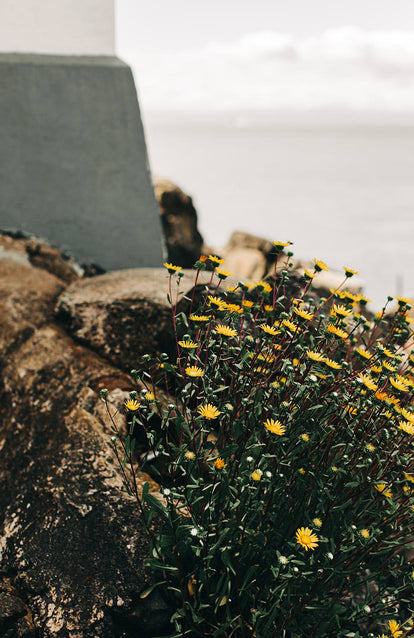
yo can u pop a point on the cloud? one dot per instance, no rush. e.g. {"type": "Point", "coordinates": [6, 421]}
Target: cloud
{"type": "Point", "coordinates": [346, 68]}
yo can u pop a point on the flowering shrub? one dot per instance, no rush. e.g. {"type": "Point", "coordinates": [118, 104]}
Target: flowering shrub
{"type": "Point", "coordinates": [288, 505]}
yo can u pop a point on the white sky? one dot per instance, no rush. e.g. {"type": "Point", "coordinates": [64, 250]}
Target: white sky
{"type": "Point", "coordinates": [223, 55]}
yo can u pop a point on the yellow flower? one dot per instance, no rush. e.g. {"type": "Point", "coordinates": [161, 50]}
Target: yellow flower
{"type": "Point", "coordinates": [266, 287]}
{"type": "Point", "coordinates": [368, 382]}
{"type": "Point", "coordinates": [351, 409]}
{"type": "Point", "coordinates": [403, 301]}
{"type": "Point", "coordinates": [289, 324]}
{"type": "Point", "coordinates": [394, 628]}
{"type": "Point", "coordinates": [303, 314]}
{"type": "Point", "coordinates": [409, 477]}
{"type": "Point", "coordinates": [171, 268]}
{"type": "Point", "coordinates": [315, 356]}
{"type": "Point", "coordinates": [365, 533]}
{"type": "Point", "coordinates": [302, 470]}
{"type": "Point", "coordinates": [319, 265]}
{"type": "Point", "coordinates": [189, 455]}
{"type": "Point", "coordinates": [362, 299]}
{"type": "Point", "coordinates": [282, 244]}
{"type": "Point", "coordinates": [338, 310]}
{"type": "Point", "coordinates": [188, 344]}
{"type": "Point", "coordinates": [222, 274]}
{"type": "Point", "coordinates": [149, 396]}
{"type": "Point", "coordinates": [268, 308]}
{"type": "Point", "coordinates": [216, 301]}
{"type": "Point", "coordinates": [376, 369]}
{"type": "Point", "coordinates": [317, 522]}
{"type": "Point", "coordinates": [306, 538]}
{"type": "Point", "coordinates": [199, 317]}
{"type": "Point", "coordinates": [332, 364]}
{"type": "Point", "coordinates": [370, 447]}
{"type": "Point", "coordinates": [334, 468]}
{"type": "Point", "coordinates": [364, 353]}
{"type": "Point", "coordinates": [399, 384]}
{"type": "Point", "coordinates": [131, 404]}
{"type": "Point", "coordinates": [389, 367]}
{"type": "Point", "coordinates": [209, 411]}
{"type": "Point", "coordinates": [305, 437]}
{"type": "Point", "coordinates": [257, 475]}
{"type": "Point", "coordinates": [276, 427]}
{"type": "Point", "coordinates": [307, 274]}
{"type": "Point", "coordinates": [215, 259]}
{"type": "Point", "coordinates": [382, 489]}
{"type": "Point", "coordinates": [270, 330]}
{"type": "Point", "coordinates": [233, 307]}
{"type": "Point", "coordinates": [406, 427]}
{"type": "Point", "coordinates": [226, 331]}
{"type": "Point", "coordinates": [409, 416]}
{"type": "Point", "coordinates": [247, 303]}
{"type": "Point", "coordinates": [194, 371]}
{"type": "Point", "coordinates": [349, 272]}
{"type": "Point", "coordinates": [219, 463]}
{"type": "Point", "coordinates": [337, 331]}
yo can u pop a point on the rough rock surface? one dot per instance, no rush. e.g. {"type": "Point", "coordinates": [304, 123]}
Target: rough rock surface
{"type": "Point", "coordinates": [72, 543]}
{"type": "Point", "coordinates": [125, 314]}
{"type": "Point", "coordinates": [179, 223]}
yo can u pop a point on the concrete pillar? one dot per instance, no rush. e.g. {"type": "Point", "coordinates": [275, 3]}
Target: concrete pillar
{"type": "Point", "coordinates": [73, 160]}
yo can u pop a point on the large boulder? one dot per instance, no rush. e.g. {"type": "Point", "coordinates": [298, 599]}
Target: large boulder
{"type": "Point", "coordinates": [179, 223]}
{"type": "Point", "coordinates": [73, 545]}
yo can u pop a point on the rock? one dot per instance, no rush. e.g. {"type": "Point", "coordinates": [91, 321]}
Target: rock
{"type": "Point", "coordinates": [15, 617]}
{"type": "Point", "coordinates": [125, 314]}
{"type": "Point", "coordinates": [246, 263]}
{"type": "Point", "coordinates": [179, 223]}
{"type": "Point", "coordinates": [72, 540]}
{"type": "Point", "coordinates": [240, 239]}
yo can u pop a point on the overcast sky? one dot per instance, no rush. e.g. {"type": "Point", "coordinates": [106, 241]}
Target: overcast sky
{"type": "Point", "coordinates": [270, 54]}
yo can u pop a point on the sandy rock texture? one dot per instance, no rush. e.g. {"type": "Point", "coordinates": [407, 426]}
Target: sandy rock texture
{"type": "Point", "coordinates": [179, 223]}
{"type": "Point", "coordinates": [72, 545]}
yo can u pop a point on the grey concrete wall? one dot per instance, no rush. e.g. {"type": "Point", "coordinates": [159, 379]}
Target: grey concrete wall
{"type": "Point", "coordinates": [73, 160]}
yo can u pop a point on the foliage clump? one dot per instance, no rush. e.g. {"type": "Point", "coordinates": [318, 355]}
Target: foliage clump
{"type": "Point", "coordinates": [287, 437]}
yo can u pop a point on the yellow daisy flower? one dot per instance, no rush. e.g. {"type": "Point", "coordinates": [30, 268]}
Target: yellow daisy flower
{"type": "Point", "coordinates": [306, 538]}
{"type": "Point", "coordinates": [365, 533]}
{"type": "Point", "coordinates": [368, 382]}
{"type": "Point", "coordinates": [222, 274]}
{"type": "Point", "coordinates": [370, 447]}
{"type": "Point", "coordinates": [219, 463]}
{"type": "Point", "coordinates": [198, 317]}
{"type": "Point", "coordinates": [317, 522]}
{"type": "Point", "coordinates": [149, 396]}
{"type": "Point", "coordinates": [399, 384]}
{"type": "Point", "coordinates": [332, 364]}
{"type": "Point", "coordinates": [406, 427]}
{"type": "Point", "coordinates": [315, 356]}
{"type": "Point", "coordinates": [257, 475]}
{"type": "Point", "coordinates": [215, 259]}
{"type": "Point", "coordinates": [233, 307]}
{"type": "Point", "coordinates": [319, 265]}
{"type": "Point", "coordinates": [132, 404]}
{"type": "Point", "coordinates": [282, 244]}
{"type": "Point", "coordinates": [364, 353]}
{"type": "Point", "coordinates": [339, 310]}
{"type": "Point", "coordinates": [188, 344]}
{"type": "Point", "coordinates": [303, 314]}
{"type": "Point", "coordinates": [226, 331]}
{"type": "Point", "coordinates": [194, 371]}
{"type": "Point", "coordinates": [403, 301]}
{"type": "Point", "coordinates": [189, 455]}
{"type": "Point", "coordinates": [349, 272]}
{"type": "Point", "coordinates": [171, 268]}
{"type": "Point", "coordinates": [264, 285]}
{"type": "Point", "coordinates": [351, 409]}
{"type": "Point", "coordinates": [270, 330]}
{"type": "Point", "coordinates": [290, 325]}
{"type": "Point", "coordinates": [276, 427]}
{"type": "Point", "coordinates": [307, 274]}
{"type": "Point", "coordinates": [209, 411]}
{"type": "Point", "coordinates": [337, 331]}
{"type": "Point", "coordinates": [394, 628]}
{"type": "Point", "coordinates": [305, 437]}
{"type": "Point", "coordinates": [382, 489]}
{"type": "Point", "coordinates": [216, 301]}
{"type": "Point", "coordinates": [247, 303]}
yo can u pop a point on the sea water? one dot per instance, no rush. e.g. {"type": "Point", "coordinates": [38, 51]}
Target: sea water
{"type": "Point", "coordinates": [341, 193]}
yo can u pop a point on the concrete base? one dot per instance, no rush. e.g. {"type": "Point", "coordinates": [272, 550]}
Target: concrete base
{"type": "Point", "coordinates": [73, 160]}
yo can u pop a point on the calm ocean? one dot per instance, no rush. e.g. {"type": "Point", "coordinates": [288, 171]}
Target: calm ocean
{"type": "Point", "coordinates": [344, 194]}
